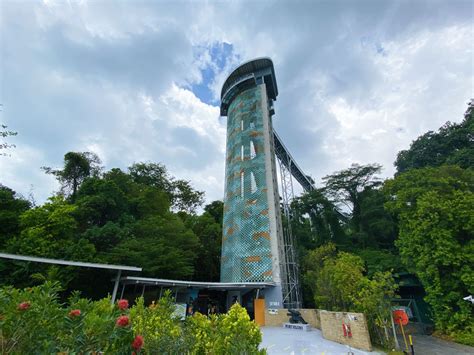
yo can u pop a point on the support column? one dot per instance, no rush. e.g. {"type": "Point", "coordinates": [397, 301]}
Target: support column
{"type": "Point", "coordinates": [117, 281]}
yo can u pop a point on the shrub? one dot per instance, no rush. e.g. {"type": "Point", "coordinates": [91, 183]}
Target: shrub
{"type": "Point", "coordinates": [231, 333]}
{"type": "Point", "coordinates": [162, 333]}
{"type": "Point", "coordinates": [34, 321]}
{"type": "Point", "coordinates": [237, 334]}
{"type": "Point", "coordinates": [339, 284]}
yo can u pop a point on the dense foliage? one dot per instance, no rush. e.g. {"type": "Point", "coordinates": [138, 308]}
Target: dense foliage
{"type": "Point", "coordinates": [11, 207]}
{"type": "Point", "coordinates": [141, 217]}
{"type": "Point", "coordinates": [338, 283]}
{"type": "Point", "coordinates": [451, 145]}
{"type": "Point", "coordinates": [356, 233]}
{"type": "Point", "coordinates": [34, 321]}
{"type": "Point", "coordinates": [77, 167]}
{"type": "Point", "coordinates": [435, 209]}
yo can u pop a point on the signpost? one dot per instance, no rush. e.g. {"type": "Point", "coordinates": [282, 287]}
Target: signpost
{"type": "Point", "coordinates": [401, 318]}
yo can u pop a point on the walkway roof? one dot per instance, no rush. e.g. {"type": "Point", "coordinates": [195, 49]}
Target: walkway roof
{"type": "Point", "coordinates": [131, 280]}
{"type": "Point", "coordinates": [69, 263]}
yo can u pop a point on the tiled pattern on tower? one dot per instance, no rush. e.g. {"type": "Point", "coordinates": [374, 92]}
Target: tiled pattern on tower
{"type": "Point", "coordinates": [246, 251]}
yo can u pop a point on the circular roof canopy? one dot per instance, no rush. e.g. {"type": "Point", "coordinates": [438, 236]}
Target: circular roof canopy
{"type": "Point", "coordinates": [260, 65]}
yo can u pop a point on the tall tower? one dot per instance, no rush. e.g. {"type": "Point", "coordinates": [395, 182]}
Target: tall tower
{"type": "Point", "coordinates": [252, 243]}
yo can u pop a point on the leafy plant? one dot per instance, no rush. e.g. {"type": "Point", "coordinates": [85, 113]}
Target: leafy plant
{"type": "Point", "coordinates": [435, 207]}
{"type": "Point", "coordinates": [339, 284]}
{"type": "Point", "coordinates": [34, 321]}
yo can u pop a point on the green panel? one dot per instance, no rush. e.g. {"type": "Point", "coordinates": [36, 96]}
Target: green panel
{"type": "Point", "coordinates": [246, 250]}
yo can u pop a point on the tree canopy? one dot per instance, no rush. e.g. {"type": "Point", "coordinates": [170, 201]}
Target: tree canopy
{"type": "Point", "coordinates": [11, 207]}
{"type": "Point", "coordinates": [436, 222]}
{"type": "Point", "coordinates": [346, 187]}
{"type": "Point", "coordinates": [141, 217]}
{"type": "Point", "coordinates": [452, 144]}
{"type": "Point", "coordinates": [77, 167]}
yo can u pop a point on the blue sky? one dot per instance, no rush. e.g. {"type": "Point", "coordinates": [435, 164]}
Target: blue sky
{"type": "Point", "coordinates": [140, 81]}
{"type": "Point", "coordinates": [220, 53]}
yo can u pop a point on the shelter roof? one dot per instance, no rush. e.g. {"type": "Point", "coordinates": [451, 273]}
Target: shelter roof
{"type": "Point", "coordinates": [69, 263]}
{"type": "Point", "coordinates": [132, 280]}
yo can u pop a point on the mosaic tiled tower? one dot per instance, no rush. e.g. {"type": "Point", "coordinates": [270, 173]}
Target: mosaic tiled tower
{"type": "Point", "coordinates": [252, 232]}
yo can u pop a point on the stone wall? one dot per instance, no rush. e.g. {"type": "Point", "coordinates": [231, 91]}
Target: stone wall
{"type": "Point", "coordinates": [332, 328]}
{"type": "Point", "coordinates": [276, 317]}
{"type": "Point", "coordinates": [330, 324]}
{"type": "Point", "coordinates": [311, 316]}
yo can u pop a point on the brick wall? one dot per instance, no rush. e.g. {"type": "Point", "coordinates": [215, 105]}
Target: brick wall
{"type": "Point", "coordinates": [276, 319]}
{"type": "Point", "coordinates": [332, 328]}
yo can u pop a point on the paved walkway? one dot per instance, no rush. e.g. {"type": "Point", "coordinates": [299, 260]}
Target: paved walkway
{"type": "Point", "coordinates": [278, 340]}
{"type": "Point", "coordinates": [425, 344]}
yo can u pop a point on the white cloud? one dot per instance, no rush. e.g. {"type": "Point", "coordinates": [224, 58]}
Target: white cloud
{"type": "Point", "coordinates": [357, 81]}
{"type": "Point", "coordinates": [18, 172]}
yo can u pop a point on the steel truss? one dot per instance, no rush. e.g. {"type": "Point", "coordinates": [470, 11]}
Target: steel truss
{"type": "Point", "coordinates": [290, 283]}
{"type": "Point", "coordinates": [292, 297]}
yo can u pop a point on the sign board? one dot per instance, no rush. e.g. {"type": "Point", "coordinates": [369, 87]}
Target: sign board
{"type": "Point", "coordinates": [180, 311]}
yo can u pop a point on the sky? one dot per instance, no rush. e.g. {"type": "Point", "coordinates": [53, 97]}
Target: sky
{"type": "Point", "coordinates": [139, 81]}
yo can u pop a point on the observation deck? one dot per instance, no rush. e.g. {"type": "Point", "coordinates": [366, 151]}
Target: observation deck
{"type": "Point", "coordinates": [247, 75]}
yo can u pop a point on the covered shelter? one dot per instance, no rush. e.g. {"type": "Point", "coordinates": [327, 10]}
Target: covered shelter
{"type": "Point", "coordinates": [118, 268]}
{"type": "Point", "coordinates": [200, 294]}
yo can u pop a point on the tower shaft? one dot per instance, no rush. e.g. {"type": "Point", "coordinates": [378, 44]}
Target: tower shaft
{"type": "Point", "coordinates": [252, 243]}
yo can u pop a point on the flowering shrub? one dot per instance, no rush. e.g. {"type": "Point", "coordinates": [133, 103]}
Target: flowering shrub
{"type": "Point", "coordinates": [137, 343]}
{"type": "Point", "coordinates": [75, 313]}
{"type": "Point", "coordinates": [34, 321]}
{"type": "Point", "coordinates": [122, 304]}
{"type": "Point", "coordinates": [122, 321]}
{"type": "Point", "coordinates": [24, 306]}
{"type": "Point", "coordinates": [162, 333]}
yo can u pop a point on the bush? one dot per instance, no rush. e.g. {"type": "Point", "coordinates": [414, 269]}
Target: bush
{"type": "Point", "coordinates": [339, 284]}
{"type": "Point", "coordinates": [33, 320]}
{"type": "Point", "coordinates": [162, 333]}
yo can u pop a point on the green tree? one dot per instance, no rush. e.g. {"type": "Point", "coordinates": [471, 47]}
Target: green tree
{"type": "Point", "coordinates": [180, 192]}
{"type": "Point", "coordinates": [162, 245]}
{"type": "Point", "coordinates": [378, 227]}
{"type": "Point", "coordinates": [77, 167]}
{"type": "Point", "coordinates": [99, 201]}
{"type": "Point", "coordinates": [451, 144]}
{"type": "Point", "coordinates": [316, 220]}
{"type": "Point", "coordinates": [11, 207]}
{"type": "Point", "coordinates": [208, 229]}
{"type": "Point", "coordinates": [151, 174]}
{"type": "Point", "coordinates": [435, 207]}
{"type": "Point", "coordinates": [313, 278]}
{"type": "Point", "coordinates": [47, 231]}
{"type": "Point", "coordinates": [347, 188]}
{"type": "Point", "coordinates": [339, 283]}
{"type": "Point", "coordinates": [379, 260]}
{"type": "Point", "coordinates": [216, 210]}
